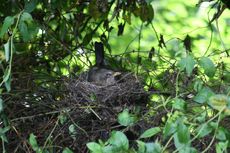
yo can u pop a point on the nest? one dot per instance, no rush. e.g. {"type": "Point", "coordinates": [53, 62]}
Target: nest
{"type": "Point", "coordinates": [127, 90]}
{"type": "Point", "coordinates": [92, 109]}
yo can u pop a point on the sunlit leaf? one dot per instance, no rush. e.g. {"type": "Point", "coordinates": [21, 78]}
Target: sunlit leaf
{"type": "Point", "coordinates": [33, 142]}
{"type": "Point", "coordinates": [203, 95]}
{"type": "Point", "coordinates": [119, 140]}
{"type": "Point", "coordinates": [126, 119]}
{"type": "Point", "coordinates": [187, 63]}
{"type": "Point", "coordinates": [179, 104]}
{"type": "Point", "coordinates": [150, 132]}
{"type": "Point", "coordinates": [94, 147]}
{"type": "Point", "coordinates": [220, 102]}
{"type": "Point", "coordinates": [208, 66]}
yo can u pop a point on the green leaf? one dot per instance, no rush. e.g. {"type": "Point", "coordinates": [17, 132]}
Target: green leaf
{"type": "Point", "coordinates": [188, 64]}
{"type": "Point", "coordinates": [204, 129]}
{"type": "Point", "coordinates": [203, 95]}
{"type": "Point", "coordinates": [183, 133]}
{"type": "Point", "coordinates": [7, 23]}
{"type": "Point", "coordinates": [24, 31]}
{"type": "Point", "coordinates": [7, 50]}
{"type": "Point", "coordinates": [67, 150]}
{"type": "Point", "coordinates": [220, 102]}
{"type": "Point", "coordinates": [119, 140]}
{"type": "Point", "coordinates": [26, 17]}
{"type": "Point", "coordinates": [126, 119]}
{"type": "Point", "coordinates": [141, 146]}
{"type": "Point", "coordinates": [3, 133]}
{"type": "Point", "coordinates": [221, 134]}
{"type": "Point", "coordinates": [30, 5]}
{"type": "Point", "coordinates": [1, 105]}
{"type": "Point", "coordinates": [153, 148]}
{"type": "Point", "coordinates": [208, 66]}
{"type": "Point", "coordinates": [150, 132]}
{"type": "Point", "coordinates": [33, 142]}
{"type": "Point", "coordinates": [169, 129]}
{"type": "Point", "coordinates": [221, 147]}
{"type": "Point", "coordinates": [94, 147]}
{"type": "Point", "coordinates": [179, 104]}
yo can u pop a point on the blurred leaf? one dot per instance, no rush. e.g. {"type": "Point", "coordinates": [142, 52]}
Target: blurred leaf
{"type": "Point", "coordinates": [26, 17]}
{"type": "Point", "coordinates": [30, 5]}
{"type": "Point", "coordinates": [204, 129]}
{"type": "Point", "coordinates": [182, 133]}
{"type": "Point", "coordinates": [119, 140]}
{"type": "Point", "coordinates": [1, 105]}
{"type": "Point", "coordinates": [141, 146]}
{"type": "Point", "coordinates": [187, 43]}
{"type": "Point", "coordinates": [88, 37]}
{"type": "Point", "coordinates": [203, 95]}
{"type": "Point", "coordinates": [150, 132]}
{"type": "Point", "coordinates": [3, 133]}
{"type": "Point", "coordinates": [221, 147]}
{"type": "Point", "coordinates": [221, 134]}
{"type": "Point", "coordinates": [187, 63]}
{"type": "Point", "coordinates": [7, 84]}
{"type": "Point", "coordinates": [120, 29]}
{"type": "Point", "coordinates": [179, 104]}
{"type": "Point", "coordinates": [9, 20]}
{"type": "Point", "coordinates": [169, 129]}
{"type": "Point", "coordinates": [220, 102]}
{"type": "Point", "coordinates": [208, 66]}
{"type": "Point", "coordinates": [153, 147]}
{"type": "Point", "coordinates": [33, 142]}
{"type": "Point", "coordinates": [146, 13]}
{"type": "Point", "coordinates": [94, 147]}
{"type": "Point", "coordinates": [126, 119]}
{"type": "Point", "coordinates": [7, 50]}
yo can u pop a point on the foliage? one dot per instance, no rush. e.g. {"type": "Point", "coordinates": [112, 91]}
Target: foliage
{"type": "Point", "coordinates": [179, 48]}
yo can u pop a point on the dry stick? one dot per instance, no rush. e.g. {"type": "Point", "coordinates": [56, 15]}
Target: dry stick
{"type": "Point", "coordinates": [78, 125]}
{"type": "Point", "coordinates": [48, 138]}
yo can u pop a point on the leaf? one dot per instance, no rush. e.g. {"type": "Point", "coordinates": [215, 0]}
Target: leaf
{"type": "Point", "coordinates": [221, 134]}
{"type": "Point", "coordinates": [7, 50]}
{"type": "Point", "coordinates": [7, 23]}
{"type": "Point", "coordinates": [150, 132]}
{"type": "Point", "coordinates": [153, 148]}
{"type": "Point", "coordinates": [141, 146]}
{"type": "Point", "coordinates": [220, 102]}
{"type": "Point", "coordinates": [1, 105]}
{"type": "Point", "coordinates": [24, 31]}
{"type": "Point", "coordinates": [33, 142]}
{"type": "Point", "coordinates": [94, 147]}
{"type": "Point", "coordinates": [67, 150]}
{"type": "Point", "coordinates": [179, 104]}
{"type": "Point", "coordinates": [188, 64]}
{"type": "Point", "coordinates": [119, 140]}
{"type": "Point", "coordinates": [26, 17]}
{"type": "Point", "coordinates": [169, 129]}
{"type": "Point", "coordinates": [203, 95]}
{"type": "Point", "coordinates": [208, 66]}
{"type": "Point", "coordinates": [30, 5]}
{"type": "Point", "coordinates": [204, 129]}
{"type": "Point", "coordinates": [183, 133]}
{"type": "Point", "coordinates": [126, 119]}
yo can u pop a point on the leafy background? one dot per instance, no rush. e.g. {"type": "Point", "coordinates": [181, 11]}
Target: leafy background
{"type": "Point", "coordinates": [175, 46]}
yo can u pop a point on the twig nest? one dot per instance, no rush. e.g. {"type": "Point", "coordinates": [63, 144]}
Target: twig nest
{"type": "Point", "coordinates": [128, 89]}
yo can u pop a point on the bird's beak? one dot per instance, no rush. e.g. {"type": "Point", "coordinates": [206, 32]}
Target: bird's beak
{"type": "Point", "coordinates": [116, 74]}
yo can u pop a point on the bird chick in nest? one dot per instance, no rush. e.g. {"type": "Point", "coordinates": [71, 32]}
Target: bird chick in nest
{"type": "Point", "coordinates": [103, 76]}
{"type": "Point", "coordinates": [100, 74]}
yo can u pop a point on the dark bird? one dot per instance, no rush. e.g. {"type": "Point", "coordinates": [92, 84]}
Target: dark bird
{"type": "Point", "coordinates": [100, 73]}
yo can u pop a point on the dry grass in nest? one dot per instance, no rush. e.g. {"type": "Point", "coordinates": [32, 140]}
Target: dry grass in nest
{"type": "Point", "coordinates": [128, 90]}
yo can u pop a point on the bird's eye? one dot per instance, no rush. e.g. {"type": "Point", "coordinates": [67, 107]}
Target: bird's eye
{"type": "Point", "coordinates": [108, 74]}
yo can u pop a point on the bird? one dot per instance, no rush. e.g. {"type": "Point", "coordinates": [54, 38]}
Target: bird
{"type": "Point", "coordinates": [100, 74]}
